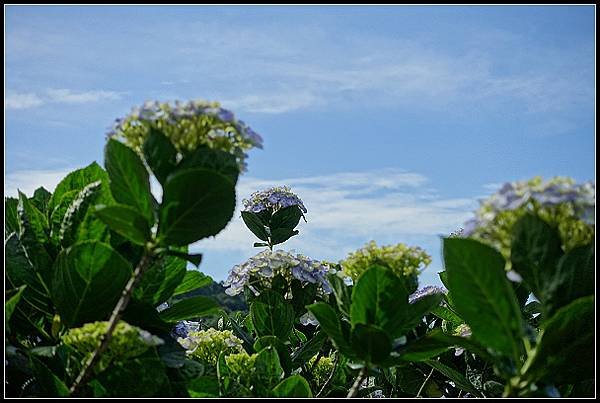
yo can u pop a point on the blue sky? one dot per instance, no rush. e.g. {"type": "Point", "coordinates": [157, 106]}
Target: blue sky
{"type": "Point", "coordinates": [389, 122]}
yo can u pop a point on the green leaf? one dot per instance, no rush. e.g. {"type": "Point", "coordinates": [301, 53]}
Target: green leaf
{"type": "Point", "coordinates": [126, 221]}
{"type": "Point", "coordinates": [248, 341]}
{"type": "Point", "coordinates": [192, 281]}
{"type": "Point", "coordinates": [129, 182]}
{"type": "Point", "coordinates": [482, 294]}
{"type": "Point", "coordinates": [203, 386]}
{"type": "Point", "coordinates": [40, 199]}
{"type": "Point", "coordinates": [379, 298]}
{"type": "Point", "coordinates": [189, 308]}
{"type": "Point", "coordinates": [267, 367]}
{"type": "Point", "coordinates": [161, 280]}
{"type": "Point", "coordinates": [565, 348]}
{"type": "Point", "coordinates": [302, 295]}
{"type": "Point", "coordinates": [535, 252]}
{"type": "Point", "coordinates": [294, 386]}
{"type": "Point", "coordinates": [11, 304]}
{"type": "Point", "coordinates": [214, 160]}
{"type": "Point", "coordinates": [197, 203]}
{"type": "Point", "coordinates": [255, 225]}
{"type": "Point", "coordinates": [283, 351]}
{"type": "Point", "coordinates": [260, 244]}
{"type": "Point", "coordinates": [574, 279]}
{"type": "Point", "coordinates": [88, 280]}
{"type": "Point", "coordinates": [455, 376]}
{"type": "Point", "coordinates": [272, 315]}
{"type": "Point", "coordinates": [76, 212]}
{"type": "Point", "coordinates": [280, 235]}
{"type": "Point", "coordinates": [160, 154]}
{"type": "Point", "coordinates": [51, 385]}
{"type": "Point", "coordinates": [419, 308]}
{"type": "Point", "coordinates": [20, 272]}
{"type": "Point", "coordinates": [309, 349]}
{"type": "Point", "coordinates": [76, 181]}
{"type": "Point", "coordinates": [341, 292]}
{"type": "Point", "coordinates": [11, 219]}
{"type": "Point", "coordinates": [193, 258]}
{"type": "Point", "coordinates": [33, 235]}
{"type": "Point", "coordinates": [370, 343]}
{"type": "Point", "coordinates": [446, 314]}
{"type": "Point", "coordinates": [330, 324]}
{"type": "Point", "coordinates": [144, 315]}
{"type": "Point", "coordinates": [143, 376]}
{"type": "Point", "coordinates": [287, 217]}
{"type": "Point", "coordinates": [437, 342]}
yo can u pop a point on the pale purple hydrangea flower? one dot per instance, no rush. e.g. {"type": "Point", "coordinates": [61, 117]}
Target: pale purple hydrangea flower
{"type": "Point", "coordinates": [267, 264]}
{"type": "Point", "coordinates": [274, 198]}
{"type": "Point", "coordinates": [425, 291]}
{"type": "Point", "coordinates": [184, 327]}
{"type": "Point", "coordinates": [154, 112]}
{"type": "Point", "coordinates": [511, 196]}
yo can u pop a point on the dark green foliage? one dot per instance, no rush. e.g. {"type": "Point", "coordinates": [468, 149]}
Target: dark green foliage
{"type": "Point", "coordinates": [482, 294]}
{"type": "Point", "coordinates": [197, 203]}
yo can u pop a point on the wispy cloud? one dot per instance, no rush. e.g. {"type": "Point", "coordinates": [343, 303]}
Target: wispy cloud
{"type": "Point", "coordinates": [353, 207]}
{"type": "Point", "coordinates": [72, 97]}
{"type": "Point", "coordinates": [22, 101]}
{"type": "Point", "coordinates": [17, 100]}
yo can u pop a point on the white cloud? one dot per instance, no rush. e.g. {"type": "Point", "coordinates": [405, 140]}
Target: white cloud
{"type": "Point", "coordinates": [272, 103]}
{"type": "Point", "coordinates": [22, 101]}
{"type": "Point", "coordinates": [71, 97]}
{"type": "Point", "coordinates": [16, 100]}
{"type": "Point", "coordinates": [349, 209]}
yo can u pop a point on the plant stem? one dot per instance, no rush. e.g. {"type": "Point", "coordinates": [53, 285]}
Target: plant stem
{"type": "Point", "coordinates": [115, 316]}
{"type": "Point", "coordinates": [359, 378]}
{"type": "Point", "coordinates": [424, 383]}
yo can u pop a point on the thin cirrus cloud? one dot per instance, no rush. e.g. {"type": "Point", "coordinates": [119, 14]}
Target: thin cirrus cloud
{"type": "Point", "coordinates": [26, 100]}
{"type": "Point", "coordinates": [382, 204]}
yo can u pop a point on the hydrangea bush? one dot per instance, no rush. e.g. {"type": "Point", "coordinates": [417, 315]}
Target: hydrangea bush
{"type": "Point", "coordinates": [100, 301]}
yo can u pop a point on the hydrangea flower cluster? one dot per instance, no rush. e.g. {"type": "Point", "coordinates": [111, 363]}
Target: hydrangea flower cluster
{"type": "Point", "coordinates": [273, 199]}
{"type": "Point", "coordinates": [403, 260]}
{"type": "Point", "coordinates": [242, 365]}
{"type": "Point", "coordinates": [127, 341]}
{"type": "Point", "coordinates": [261, 268]}
{"type": "Point", "coordinates": [207, 345]}
{"type": "Point", "coordinates": [188, 125]}
{"type": "Point", "coordinates": [559, 201]}
{"type": "Point", "coordinates": [425, 291]}
{"type": "Point", "coordinates": [322, 370]}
